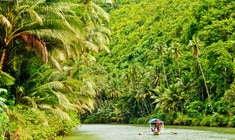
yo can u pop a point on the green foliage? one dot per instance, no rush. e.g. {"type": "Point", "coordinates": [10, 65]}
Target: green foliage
{"type": "Point", "coordinates": [193, 113]}
{"type": "Point", "coordinates": [45, 101]}
{"type": "Point", "coordinates": [6, 79]}
{"type": "Point", "coordinates": [106, 113]}
{"type": "Point", "coordinates": [206, 120]}
{"type": "Point", "coordinates": [2, 100]}
{"type": "Point", "coordinates": [229, 98]}
{"type": "Point", "coordinates": [171, 60]}
{"type": "Point", "coordinates": [4, 123]}
{"type": "Point", "coordinates": [141, 121]}
{"type": "Point", "coordinates": [221, 106]}
{"type": "Point", "coordinates": [169, 118]}
{"type": "Point", "coordinates": [172, 56]}
{"type": "Point", "coordinates": [219, 120]}
{"type": "Point", "coordinates": [232, 121]}
{"type": "Point", "coordinates": [179, 119]}
{"type": "Point", "coordinates": [36, 124]}
{"type": "Point", "coordinates": [195, 109]}
{"type": "Point", "coordinates": [4, 119]}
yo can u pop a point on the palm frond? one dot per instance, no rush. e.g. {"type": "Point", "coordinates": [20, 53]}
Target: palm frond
{"type": "Point", "coordinates": [104, 30]}
{"type": "Point", "coordinates": [30, 100]}
{"type": "Point", "coordinates": [59, 54]}
{"type": "Point", "coordinates": [33, 43]}
{"type": "Point", "coordinates": [56, 16]}
{"type": "Point", "coordinates": [72, 84]}
{"type": "Point", "coordinates": [55, 76]}
{"type": "Point", "coordinates": [32, 14]}
{"type": "Point", "coordinates": [62, 114]}
{"type": "Point", "coordinates": [100, 12]}
{"type": "Point", "coordinates": [88, 87]}
{"type": "Point", "coordinates": [57, 85]}
{"type": "Point", "coordinates": [2, 103]}
{"type": "Point", "coordinates": [6, 79]}
{"type": "Point", "coordinates": [4, 21]}
{"type": "Point", "coordinates": [64, 102]}
{"type": "Point", "coordinates": [85, 102]}
{"type": "Point", "coordinates": [56, 111]}
{"type": "Point", "coordinates": [56, 63]}
{"type": "Point", "coordinates": [91, 46]}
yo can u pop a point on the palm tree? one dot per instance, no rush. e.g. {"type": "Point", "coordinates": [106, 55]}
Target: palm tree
{"type": "Point", "coordinates": [15, 21]}
{"type": "Point", "coordinates": [89, 23]}
{"type": "Point", "coordinates": [195, 43]}
{"type": "Point", "coordinates": [42, 27]}
{"type": "Point", "coordinates": [34, 25]}
{"type": "Point", "coordinates": [51, 90]}
{"type": "Point", "coordinates": [175, 47]}
{"type": "Point", "coordinates": [161, 48]}
{"type": "Point", "coordinates": [169, 99]}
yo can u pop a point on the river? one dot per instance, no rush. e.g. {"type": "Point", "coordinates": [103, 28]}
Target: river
{"type": "Point", "coordinates": [142, 132]}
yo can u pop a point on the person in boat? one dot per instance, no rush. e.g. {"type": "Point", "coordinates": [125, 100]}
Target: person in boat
{"type": "Point", "coordinates": [156, 128]}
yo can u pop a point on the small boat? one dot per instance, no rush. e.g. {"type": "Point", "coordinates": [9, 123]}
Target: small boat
{"type": "Point", "coordinates": [158, 126]}
{"type": "Point", "coordinates": [156, 132]}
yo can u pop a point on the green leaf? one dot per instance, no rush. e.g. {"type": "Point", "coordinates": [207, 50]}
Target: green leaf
{"type": "Point", "coordinates": [6, 79]}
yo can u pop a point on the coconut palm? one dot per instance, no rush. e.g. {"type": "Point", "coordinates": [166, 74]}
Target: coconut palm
{"type": "Point", "coordinates": [161, 48]}
{"type": "Point", "coordinates": [15, 20]}
{"type": "Point", "coordinates": [176, 46]}
{"type": "Point", "coordinates": [89, 22]}
{"type": "Point", "coordinates": [195, 43]}
{"type": "Point", "coordinates": [33, 25]}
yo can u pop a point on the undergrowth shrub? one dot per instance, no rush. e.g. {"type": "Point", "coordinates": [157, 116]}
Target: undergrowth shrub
{"type": "Point", "coordinates": [32, 124]}
{"type": "Point", "coordinates": [4, 120]}
{"type": "Point", "coordinates": [141, 120]}
{"type": "Point", "coordinates": [179, 119]}
{"type": "Point", "coordinates": [205, 121]}
{"type": "Point", "coordinates": [219, 120]}
{"type": "Point", "coordinates": [232, 121]}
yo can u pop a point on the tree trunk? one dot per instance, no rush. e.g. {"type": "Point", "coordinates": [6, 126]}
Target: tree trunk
{"type": "Point", "coordinates": [204, 79]}
{"type": "Point", "coordinates": [3, 57]}
{"type": "Point", "coordinates": [179, 70]}
{"type": "Point", "coordinates": [164, 71]}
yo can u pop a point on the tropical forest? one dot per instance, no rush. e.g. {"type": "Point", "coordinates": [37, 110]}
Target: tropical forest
{"type": "Point", "coordinates": [64, 63]}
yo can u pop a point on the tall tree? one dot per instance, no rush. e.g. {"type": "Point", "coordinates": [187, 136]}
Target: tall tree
{"type": "Point", "coordinates": [195, 43]}
{"type": "Point", "coordinates": [161, 48]}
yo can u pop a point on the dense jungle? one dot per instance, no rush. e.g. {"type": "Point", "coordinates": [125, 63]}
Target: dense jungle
{"type": "Point", "coordinates": [68, 62]}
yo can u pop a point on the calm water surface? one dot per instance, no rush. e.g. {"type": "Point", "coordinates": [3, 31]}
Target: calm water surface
{"type": "Point", "coordinates": [135, 132]}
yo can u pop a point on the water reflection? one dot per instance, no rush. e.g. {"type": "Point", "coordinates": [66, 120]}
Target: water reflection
{"type": "Point", "coordinates": [129, 132]}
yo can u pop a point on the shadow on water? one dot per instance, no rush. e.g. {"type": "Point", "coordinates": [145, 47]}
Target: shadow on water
{"type": "Point", "coordinates": [142, 132]}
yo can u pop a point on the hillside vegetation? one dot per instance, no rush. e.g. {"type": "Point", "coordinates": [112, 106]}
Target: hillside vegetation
{"type": "Point", "coordinates": [172, 60]}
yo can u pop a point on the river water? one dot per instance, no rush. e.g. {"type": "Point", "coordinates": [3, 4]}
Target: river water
{"type": "Point", "coordinates": [142, 132]}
